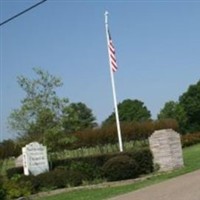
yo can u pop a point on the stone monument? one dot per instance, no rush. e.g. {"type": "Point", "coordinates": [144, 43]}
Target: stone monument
{"type": "Point", "coordinates": [166, 148]}
{"type": "Point", "coordinates": [35, 159]}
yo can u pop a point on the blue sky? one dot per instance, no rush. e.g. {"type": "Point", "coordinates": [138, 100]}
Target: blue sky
{"type": "Point", "coordinates": [157, 45]}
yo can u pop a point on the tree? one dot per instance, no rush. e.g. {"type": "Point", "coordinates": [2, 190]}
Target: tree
{"type": "Point", "coordinates": [44, 117]}
{"type": "Point", "coordinates": [129, 111]}
{"type": "Point", "coordinates": [9, 148]}
{"type": "Point", "coordinates": [190, 101]}
{"type": "Point", "coordinates": [41, 107]}
{"type": "Point", "coordinates": [76, 117]}
{"type": "Point", "coordinates": [174, 110]}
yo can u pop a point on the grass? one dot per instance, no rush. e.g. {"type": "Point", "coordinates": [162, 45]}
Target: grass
{"type": "Point", "coordinates": [191, 160]}
{"type": "Point", "coordinates": [88, 151]}
{"type": "Point", "coordinates": [6, 164]}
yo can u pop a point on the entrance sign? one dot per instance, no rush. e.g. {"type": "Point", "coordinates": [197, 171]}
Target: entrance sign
{"type": "Point", "coordinates": [35, 159]}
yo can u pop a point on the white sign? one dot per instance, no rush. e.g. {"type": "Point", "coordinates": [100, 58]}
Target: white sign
{"type": "Point", "coordinates": [35, 159]}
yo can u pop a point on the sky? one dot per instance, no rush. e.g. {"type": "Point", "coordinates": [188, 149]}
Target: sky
{"type": "Point", "coordinates": [157, 48]}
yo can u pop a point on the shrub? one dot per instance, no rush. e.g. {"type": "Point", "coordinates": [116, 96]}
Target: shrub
{"type": "Point", "coordinates": [130, 131]}
{"type": "Point", "coordinates": [88, 166]}
{"type": "Point", "coordinates": [190, 139]}
{"type": "Point", "coordinates": [50, 180]}
{"type": "Point", "coordinates": [58, 178]}
{"type": "Point", "coordinates": [9, 148]}
{"type": "Point", "coordinates": [73, 171]}
{"type": "Point", "coordinates": [75, 178]}
{"type": "Point", "coordinates": [35, 183]}
{"type": "Point", "coordinates": [144, 159]}
{"type": "Point", "coordinates": [166, 124]}
{"type": "Point", "coordinates": [2, 193]}
{"type": "Point", "coordinates": [120, 167]}
{"type": "Point", "coordinates": [92, 165]}
{"type": "Point", "coordinates": [86, 169]}
{"type": "Point", "coordinates": [2, 189]}
{"type": "Point", "coordinates": [17, 188]}
{"type": "Point", "coordinates": [14, 171]}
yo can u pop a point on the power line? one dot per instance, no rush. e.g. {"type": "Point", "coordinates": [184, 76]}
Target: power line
{"type": "Point", "coordinates": [17, 15]}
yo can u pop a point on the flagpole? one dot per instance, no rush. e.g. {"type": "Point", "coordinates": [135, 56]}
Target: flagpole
{"type": "Point", "coordinates": [113, 88]}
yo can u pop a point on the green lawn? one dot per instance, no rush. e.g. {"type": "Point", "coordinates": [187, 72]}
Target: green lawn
{"type": "Point", "coordinates": [6, 164]}
{"type": "Point", "coordinates": [191, 160]}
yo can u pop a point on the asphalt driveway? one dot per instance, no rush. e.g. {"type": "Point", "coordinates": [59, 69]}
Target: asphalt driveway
{"type": "Point", "coordinates": [185, 187]}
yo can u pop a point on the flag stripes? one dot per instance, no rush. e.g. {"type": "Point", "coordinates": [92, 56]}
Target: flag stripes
{"type": "Point", "coordinates": [112, 56]}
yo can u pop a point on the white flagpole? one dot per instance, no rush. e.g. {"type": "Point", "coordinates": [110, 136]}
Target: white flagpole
{"type": "Point", "coordinates": [113, 88]}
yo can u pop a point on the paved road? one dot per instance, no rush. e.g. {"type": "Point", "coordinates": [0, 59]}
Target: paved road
{"type": "Point", "coordinates": [186, 187]}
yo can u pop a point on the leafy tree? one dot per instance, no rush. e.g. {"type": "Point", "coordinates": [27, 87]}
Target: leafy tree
{"type": "Point", "coordinates": [190, 101]}
{"type": "Point", "coordinates": [173, 110]}
{"type": "Point", "coordinates": [41, 108]}
{"type": "Point", "coordinates": [130, 110]}
{"type": "Point", "coordinates": [76, 117]}
{"type": "Point", "coordinates": [9, 148]}
{"type": "Point", "coordinates": [168, 111]}
{"type": "Point", "coordinates": [44, 117]}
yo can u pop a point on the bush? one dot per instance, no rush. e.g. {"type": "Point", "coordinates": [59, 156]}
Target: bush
{"type": "Point", "coordinates": [91, 166]}
{"type": "Point", "coordinates": [75, 178]}
{"type": "Point", "coordinates": [35, 183]}
{"type": "Point", "coordinates": [130, 131]}
{"type": "Point", "coordinates": [85, 169]}
{"type": "Point", "coordinates": [2, 189]}
{"type": "Point", "coordinates": [120, 167]}
{"type": "Point", "coordinates": [9, 148]}
{"type": "Point", "coordinates": [190, 139]}
{"type": "Point", "coordinates": [58, 178]}
{"type": "Point", "coordinates": [2, 193]}
{"type": "Point", "coordinates": [14, 171]}
{"type": "Point", "coordinates": [17, 188]}
{"type": "Point", "coordinates": [73, 171]}
{"type": "Point", "coordinates": [144, 159]}
{"type": "Point", "coordinates": [50, 180]}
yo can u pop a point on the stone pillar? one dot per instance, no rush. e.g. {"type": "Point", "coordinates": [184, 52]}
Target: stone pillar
{"type": "Point", "coordinates": [166, 148]}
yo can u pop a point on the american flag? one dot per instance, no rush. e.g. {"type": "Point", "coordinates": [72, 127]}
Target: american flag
{"type": "Point", "coordinates": [112, 53]}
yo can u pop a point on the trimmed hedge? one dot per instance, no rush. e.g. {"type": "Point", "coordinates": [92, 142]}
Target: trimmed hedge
{"type": "Point", "coordinates": [73, 171]}
{"type": "Point", "coordinates": [136, 131]}
{"type": "Point", "coordinates": [98, 136]}
{"type": "Point", "coordinates": [59, 178]}
{"type": "Point", "coordinates": [190, 139]}
{"type": "Point", "coordinates": [92, 164]}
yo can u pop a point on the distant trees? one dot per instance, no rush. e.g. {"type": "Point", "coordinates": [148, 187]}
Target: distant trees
{"type": "Point", "coordinates": [129, 111]}
{"type": "Point", "coordinates": [190, 101]}
{"type": "Point", "coordinates": [44, 117]}
{"type": "Point", "coordinates": [173, 110]}
{"type": "Point", "coordinates": [186, 111]}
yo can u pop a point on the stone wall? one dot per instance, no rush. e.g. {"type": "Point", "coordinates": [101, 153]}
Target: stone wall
{"type": "Point", "coordinates": [166, 148]}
